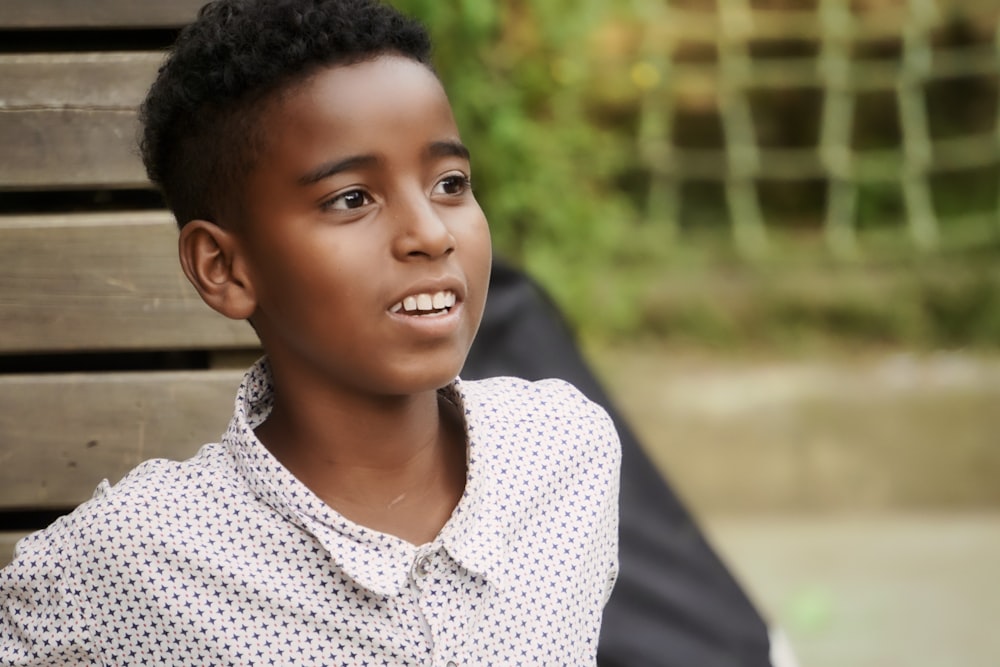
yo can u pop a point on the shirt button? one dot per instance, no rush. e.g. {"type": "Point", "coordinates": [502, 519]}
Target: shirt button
{"type": "Point", "coordinates": [452, 663]}
{"type": "Point", "coordinates": [422, 566]}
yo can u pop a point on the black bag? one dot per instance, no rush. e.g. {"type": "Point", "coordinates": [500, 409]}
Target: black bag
{"type": "Point", "coordinates": [675, 603]}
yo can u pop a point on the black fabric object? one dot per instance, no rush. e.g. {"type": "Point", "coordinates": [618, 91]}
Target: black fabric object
{"type": "Point", "coordinates": [675, 603]}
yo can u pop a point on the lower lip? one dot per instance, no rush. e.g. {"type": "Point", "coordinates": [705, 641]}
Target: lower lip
{"type": "Point", "coordinates": [431, 325]}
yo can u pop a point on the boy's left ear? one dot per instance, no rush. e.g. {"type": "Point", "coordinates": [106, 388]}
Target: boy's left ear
{"type": "Point", "coordinates": [211, 259]}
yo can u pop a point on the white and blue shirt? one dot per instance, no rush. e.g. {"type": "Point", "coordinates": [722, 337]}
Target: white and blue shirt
{"type": "Point", "coordinates": [228, 559]}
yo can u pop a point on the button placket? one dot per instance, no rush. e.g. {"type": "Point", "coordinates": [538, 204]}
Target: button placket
{"type": "Point", "coordinates": [420, 569]}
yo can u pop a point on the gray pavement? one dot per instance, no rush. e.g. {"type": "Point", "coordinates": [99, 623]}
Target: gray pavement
{"type": "Point", "coordinates": [907, 590]}
{"type": "Point", "coordinates": [878, 432]}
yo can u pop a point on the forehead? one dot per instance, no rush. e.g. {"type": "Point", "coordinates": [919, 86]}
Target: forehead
{"type": "Point", "coordinates": [387, 103]}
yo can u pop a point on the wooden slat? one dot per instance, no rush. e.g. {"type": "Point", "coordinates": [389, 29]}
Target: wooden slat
{"type": "Point", "coordinates": [60, 435]}
{"type": "Point", "coordinates": [69, 149]}
{"type": "Point", "coordinates": [91, 282]}
{"type": "Point", "coordinates": [69, 120]}
{"type": "Point", "coordinates": [55, 80]}
{"type": "Point", "coordinates": [97, 13]}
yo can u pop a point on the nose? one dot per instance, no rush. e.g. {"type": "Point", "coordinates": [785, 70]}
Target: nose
{"type": "Point", "coordinates": [421, 231]}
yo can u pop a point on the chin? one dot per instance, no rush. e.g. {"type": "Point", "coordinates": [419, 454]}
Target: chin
{"type": "Point", "coordinates": [438, 380]}
{"type": "Point", "coordinates": [429, 376]}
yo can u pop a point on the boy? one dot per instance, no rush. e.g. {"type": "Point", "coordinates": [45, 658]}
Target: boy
{"type": "Point", "coordinates": [364, 507]}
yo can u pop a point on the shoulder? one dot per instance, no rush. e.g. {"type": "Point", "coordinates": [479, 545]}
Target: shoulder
{"type": "Point", "coordinates": [145, 496]}
{"type": "Point", "coordinates": [533, 415]}
{"type": "Point", "coordinates": [553, 398]}
{"type": "Point", "coordinates": [59, 576]}
{"type": "Point", "coordinates": [547, 463]}
{"type": "Point", "coordinates": [166, 482]}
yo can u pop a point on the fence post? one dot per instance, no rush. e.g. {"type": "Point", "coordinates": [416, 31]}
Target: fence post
{"type": "Point", "coordinates": [917, 152]}
{"type": "Point", "coordinates": [836, 124]}
{"type": "Point", "coordinates": [743, 156]}
{"type": "Point", "coordinates": [656, 120]}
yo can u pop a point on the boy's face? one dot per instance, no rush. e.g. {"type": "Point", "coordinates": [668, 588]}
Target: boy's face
{"type": "Point", "coordinates": [368, 254]}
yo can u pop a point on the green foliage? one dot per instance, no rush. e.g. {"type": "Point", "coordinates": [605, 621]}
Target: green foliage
{"type": "Point", "coordinates": [939, 305]}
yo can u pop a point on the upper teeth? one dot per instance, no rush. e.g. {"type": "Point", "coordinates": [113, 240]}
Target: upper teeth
{"type": "Point", "coordinates": [436, 301]}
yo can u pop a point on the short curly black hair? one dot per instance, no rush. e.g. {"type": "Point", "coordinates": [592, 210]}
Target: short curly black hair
{"type": "Point", "coordinates": [200, 131]}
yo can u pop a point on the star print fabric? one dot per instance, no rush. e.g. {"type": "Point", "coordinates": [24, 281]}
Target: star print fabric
{"type": "Point", "coordinates": [228, 559]}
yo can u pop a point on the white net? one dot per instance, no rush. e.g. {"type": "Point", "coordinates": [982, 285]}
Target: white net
{"type": "Point", "coordinates": [910, 57]}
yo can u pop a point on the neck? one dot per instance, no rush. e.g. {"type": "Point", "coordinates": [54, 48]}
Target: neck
{"type": "Point", "coordinates": [396, 464]}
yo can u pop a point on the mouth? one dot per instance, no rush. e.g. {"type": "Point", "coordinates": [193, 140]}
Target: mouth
{"type": "Point", "coordinates": [425, 304]}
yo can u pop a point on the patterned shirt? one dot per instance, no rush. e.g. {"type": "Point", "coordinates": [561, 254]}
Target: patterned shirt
{"type": "Point", "coordinates": [228, 559]}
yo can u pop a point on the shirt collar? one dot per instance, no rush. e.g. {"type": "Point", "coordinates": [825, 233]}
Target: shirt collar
{"type": "Point", "coordinates": [377, 561]}
{"type": "Point", "coordinates": [474, 536]}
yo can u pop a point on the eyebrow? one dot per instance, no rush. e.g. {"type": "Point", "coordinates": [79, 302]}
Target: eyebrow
{"type": "Point", "coordinates": [448, 149]}
{"type": "Point", "coordinates": [328, 169]}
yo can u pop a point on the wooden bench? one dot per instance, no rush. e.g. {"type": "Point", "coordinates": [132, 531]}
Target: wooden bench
{"type": "Point", "coordinates": [107, 355]}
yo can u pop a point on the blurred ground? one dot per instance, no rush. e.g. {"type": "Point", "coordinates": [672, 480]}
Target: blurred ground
{"type": "Point", "coordinates": [906, 590]}
{"type": "Point", "coordinates": [856, 496]}
{"type": "Point", "coordinates": [841, 432]}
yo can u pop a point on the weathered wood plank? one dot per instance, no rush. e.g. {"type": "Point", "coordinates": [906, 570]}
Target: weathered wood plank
{"type": "Point", "coordinates": [69, 120]}
{"type": "Point", "coordinates": [97, 13]}
{"type": "Point", "coordinates": [71, 148]}
{"type": "Point", "coordinates": [91, 282]}
{"type": "Point", "coordinates": [116, 80]}
{"type": "Point", "coordinates": [60, 435]}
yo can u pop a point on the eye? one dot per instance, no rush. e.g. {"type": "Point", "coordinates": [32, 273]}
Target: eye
{"type": "Point", "coordinates": [453, 184]}
{"type": "Point", "coordinates": [349, 200]}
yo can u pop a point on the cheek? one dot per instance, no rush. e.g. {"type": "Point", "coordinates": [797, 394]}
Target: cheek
{"type": "Point", "coordinates": [478, 258]}
{"type": "Point", "coordinates": [293, 273]}
{"type": "Point", "coordinates": [476, 234]}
